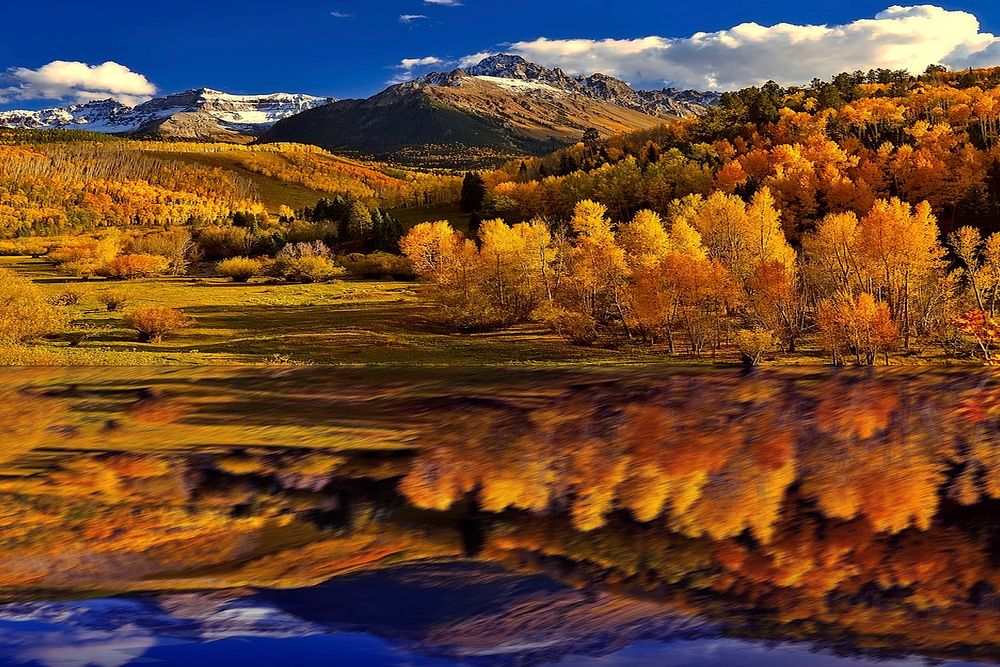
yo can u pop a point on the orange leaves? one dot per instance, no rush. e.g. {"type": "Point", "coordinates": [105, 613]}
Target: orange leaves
{"type": "Point", "coordinates": [860, 325]}
{"type": "Point", "coordinates": [981, 327]}
{"type": "Point", "coordinates": [135, 266]}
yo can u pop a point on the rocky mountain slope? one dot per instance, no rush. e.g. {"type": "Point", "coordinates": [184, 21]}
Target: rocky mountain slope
{"type": "Point", "coordinates": [201, 114]}
{"type": "Point", "coordinates": [667, 102]}
{"type": "Point", "coordinates": [501, 107]}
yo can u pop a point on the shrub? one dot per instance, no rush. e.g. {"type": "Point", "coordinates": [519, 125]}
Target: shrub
{"type": "Point", "coordinates": [126, 267]}
{"type": "Point", "coordinates": [240, 269]}
{"type": "Point", "coordinates": [311, 249]}
{"type": "Point", "coordinates": [25, 315]}
{"type": "Point", "coordinates": [979, 326]}
{"type": "Point", "coordinates": [753, 343]}
{"type": "Point", "coordinates": [154, 322]}
{"type": "Point", "coordinates": [305, 262]}
{"type": "Point", "coordinates": [311, 270]}
{"type": "Point", "coordinates": [578, 328]}
{"type": "Point", "coordinates": [218, 242]}
{"type": "Point", "coordinates": [85, 256]}
{"type": "Point", "coordinates": [114, 299]}
{"type": "Point", "coordinates": [33, 246]}
{"type": "Point", "coordinates": [378, 265]}
{"type": "Point", "coordinates": [174, 244]}
{"type": "Point", "coordinates": [68, 298]}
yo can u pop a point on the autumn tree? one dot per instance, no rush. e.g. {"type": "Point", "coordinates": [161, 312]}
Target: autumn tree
{"type": "Point", "coordinates": [596, 267]}
{"type": "Point", "coordinates": [451, 264]}
{"type": "Point", "coordinates": [515, 263]}
{"type": "Point", "coordinates": [900, 245]}
{"type": "Point", "coordinates": [861, 325]}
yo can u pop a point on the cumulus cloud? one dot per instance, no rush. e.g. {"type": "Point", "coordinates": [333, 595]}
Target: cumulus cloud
{"type": "Point", "coordinates": [341, 15]}
{"type": "Point", "coordinates": [444, 3]}
{"type": "Point", "coordinates": [80, 82]}
{"type": "Point", "coordinates": [900, 37]}
{"type": "Point", "coordinates": [412, 63]}
{"type": "Point", "coordinates": [410, 18]}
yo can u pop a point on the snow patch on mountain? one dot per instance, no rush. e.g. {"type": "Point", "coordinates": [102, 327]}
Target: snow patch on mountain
{"type": "Point", "coordinates": [520, 85]}
{"type": "Point", "coordinates": [243, 114]}
{"type": "Point", "coordinates": [515, 74]}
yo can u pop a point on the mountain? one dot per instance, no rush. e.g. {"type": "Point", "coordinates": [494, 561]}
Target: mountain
{"type": "Point", "coordinates": [201, 114]}
{"type": "Point", "coordinates": [668, 102]}
{"type": "Point", "coordinates": [503, 106]}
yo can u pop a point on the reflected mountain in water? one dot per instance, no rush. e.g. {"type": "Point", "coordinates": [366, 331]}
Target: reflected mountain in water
{"type": "Point", "coordinates": [508, 517]}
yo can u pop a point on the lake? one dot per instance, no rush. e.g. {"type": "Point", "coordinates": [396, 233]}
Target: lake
{"type": "Point", "coordinates": [318, 516]}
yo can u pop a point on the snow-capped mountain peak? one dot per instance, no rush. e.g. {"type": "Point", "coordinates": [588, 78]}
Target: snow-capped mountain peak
{"type": "Point", "coordinates": [195, 113]}
{"type": "Point", "coordinates": [503, 67]}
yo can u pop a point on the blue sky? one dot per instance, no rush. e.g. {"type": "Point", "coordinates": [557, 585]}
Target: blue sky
{"type": "Point", "coordinates": [351, 48]}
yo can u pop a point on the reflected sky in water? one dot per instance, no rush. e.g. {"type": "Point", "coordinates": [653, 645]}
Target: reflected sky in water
{"type": "Point", "coordinates": [519, 517]}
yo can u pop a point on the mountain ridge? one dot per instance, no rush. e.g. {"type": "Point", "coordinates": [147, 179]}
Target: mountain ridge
{"type": "Point", "coordinates": [501, 107]}
{"type": "Point", "coordinates": [197, 113]}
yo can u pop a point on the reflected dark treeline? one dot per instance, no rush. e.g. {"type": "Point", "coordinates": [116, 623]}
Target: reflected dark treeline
{"type": "Point", "coordinates": [856, 510]}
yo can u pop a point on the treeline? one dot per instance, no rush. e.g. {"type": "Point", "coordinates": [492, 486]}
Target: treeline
{"type": "Point", "coordinates": [316, 243]}
{"type": "Point", "coordinates": [830, 147]}
{"type": "Point", "coordinates": [719, 273]}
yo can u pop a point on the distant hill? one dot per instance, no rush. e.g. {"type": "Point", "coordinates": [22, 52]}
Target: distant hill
{"type": "Point", "coordinates": [201, 114]}
{"type": "Point", "coordinates": [502, 107]}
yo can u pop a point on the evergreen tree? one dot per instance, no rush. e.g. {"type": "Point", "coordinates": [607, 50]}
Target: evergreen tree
{"type": "Point", "coordinates": [592, 139]}
{"type": "Point", "coordinates": [386, 232]}
{"type": "Point", "coordinates": [567, 165]}
{"type": "Point", "coordinates": [475, 220]}
{"type": "Point", "coordinates": [473, 193]}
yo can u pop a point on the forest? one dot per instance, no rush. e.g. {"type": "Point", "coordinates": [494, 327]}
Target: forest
{"type": "Point", "coordinates": [848, 221]}
{"type": "Point", "coordinates": [855, 213]}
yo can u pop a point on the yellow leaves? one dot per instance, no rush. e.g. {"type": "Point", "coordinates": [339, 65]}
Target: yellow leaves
{"type": "Point", "coordinates": [900, 238]}
{"type": "Point", "coordinates": [590, 219]}
{"type": "Point", "coordinates": [644, 239]}
{"type": "Point", "coordinates": [85, 256]}
{"type": "Point", "coordinates": [739, 235]}
{"type": "Point", "coordinates": [500, 282]}
{"type": "Point", "coordinates": [432, 247]}
{"type": "Point", "coordinates": [25, 315]}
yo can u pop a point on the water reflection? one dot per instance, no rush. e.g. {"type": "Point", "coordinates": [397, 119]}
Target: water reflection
{"type": "Point", "coordinates": [508, 518]}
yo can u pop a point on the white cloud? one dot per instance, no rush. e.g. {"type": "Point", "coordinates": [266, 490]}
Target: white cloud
{"type": "Point", "coordinates": [444, 3]}
{"type": "Point", "coordinates": [750, 54]}
{"type": "Point", "coordinates": [341, 15]}
{"type": "Point", "coordinates": [402, 77]}
{"type": "Point", "coordinates": [410, 18]}
{"type": "Point", "coordinates": [80, 82]}
{"type": "Point", "coordinates": [476, 58]}
{"type": "Point", "coordinates": [411, 63]}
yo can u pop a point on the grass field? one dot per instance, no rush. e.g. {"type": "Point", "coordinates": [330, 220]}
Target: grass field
{"type": "Point", "coordinates": [345, 322]}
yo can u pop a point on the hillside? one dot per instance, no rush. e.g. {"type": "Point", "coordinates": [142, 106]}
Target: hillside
{"type": "Point", "coordinates": [202, 114]}
{"type": "Point", "coordinates": [502, 107]}
{"type": "Point", "coordinates": [77, 183]}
